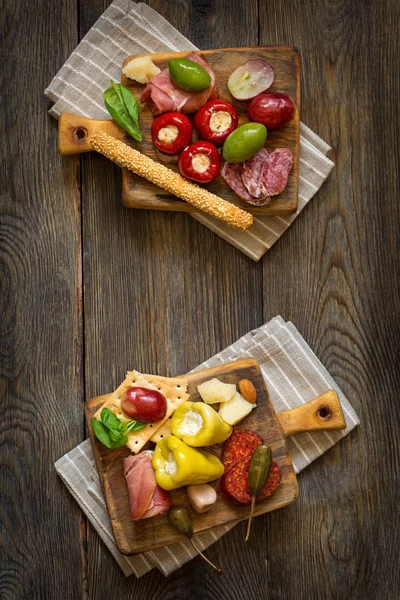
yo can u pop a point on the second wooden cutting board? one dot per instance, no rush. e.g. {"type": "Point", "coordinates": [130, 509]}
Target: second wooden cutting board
{"type": "Point", "coordinates": [133, 537]}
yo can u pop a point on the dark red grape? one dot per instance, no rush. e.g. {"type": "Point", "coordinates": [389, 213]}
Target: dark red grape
{"type": "Point", "coordinates": [144, 404]}
{"type": "Point", "coordinates": [272, 110]}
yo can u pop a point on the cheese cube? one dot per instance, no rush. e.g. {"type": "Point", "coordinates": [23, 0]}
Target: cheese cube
{"type": "Point", "coordinates": [141, 69]}
{"type": "Point", "coordinates": [235, 409]}
{"type": "Point", "coordinates": [215, 391]}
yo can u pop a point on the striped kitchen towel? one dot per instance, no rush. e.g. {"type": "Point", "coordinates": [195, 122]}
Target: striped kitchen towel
{"type": "Point", "coordinates": [293, 375]}
{"type": "Point", "coordinates": [127, 28]}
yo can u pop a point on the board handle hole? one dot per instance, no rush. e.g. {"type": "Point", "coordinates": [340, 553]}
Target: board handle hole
{"type": "Point", "coordinates": [324, 412]}
{"type": "Point", "coordinates": [80, 133]}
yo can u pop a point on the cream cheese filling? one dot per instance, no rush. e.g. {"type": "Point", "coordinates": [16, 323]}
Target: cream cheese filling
{"type": "Point", "coordinates": [168, 134]}
{"type": "Point", "coordinates": [200, 163]}
{"type": "Point", "coordinates": [191, 424]}
{"type": "Point", "coordinates": [220, 121]}
{"type": "Point", "coordinates": [170, 465]}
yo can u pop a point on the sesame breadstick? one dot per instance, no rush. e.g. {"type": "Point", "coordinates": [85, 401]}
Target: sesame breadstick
{"type": "Point", "coordinates": [142, 165]}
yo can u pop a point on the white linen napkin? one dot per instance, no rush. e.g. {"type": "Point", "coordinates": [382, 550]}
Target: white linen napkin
{"type": "Point", "coordinates": [293, 375]}
{"type": "Point", "coordinates": [127, 28]}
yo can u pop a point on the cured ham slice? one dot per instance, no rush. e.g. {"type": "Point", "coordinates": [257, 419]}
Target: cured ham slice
{"type": "Point", "coordinates": [159, 504]}
{"type": "Point", "coordinates": [162, 95]}
{"type": "Point", "coordinates": [146, 498]}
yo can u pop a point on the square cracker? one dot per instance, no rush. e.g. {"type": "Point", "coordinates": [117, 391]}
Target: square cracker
{"type": "Point", "coordinates": [162, 432]}
{"type": "Point", "coordinates": [174, 390]}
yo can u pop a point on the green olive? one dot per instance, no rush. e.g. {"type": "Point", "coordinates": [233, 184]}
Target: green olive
{"type": "Point", "coordinates": [179, 518]}
{"type": "Point", "coordinates": [244, 142]}
{"type": "Point", "coordinates": [188, 75]}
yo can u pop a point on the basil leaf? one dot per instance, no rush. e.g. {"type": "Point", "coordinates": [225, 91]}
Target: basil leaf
{"type": "Point", "coordinates": [118, 437]}
{"type": "Point", "coordinates": [110, 420]}
{"type": "Point", "coordinates": [134, 426]}
{"type": "Point", "coordinates": [101, 432]}
{"type": "Point", "coordinates": [123, 107]}
{"type": "Point", "coordinates": [104, 436]}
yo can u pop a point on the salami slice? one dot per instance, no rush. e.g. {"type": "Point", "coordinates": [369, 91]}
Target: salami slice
{"type": "Point", "coordinates": [234, 483]}
{"type": "Point", "coordinates": [239, 446]}
{"type": "Point", "coordinates": [275, 173]}
{"type": "Point", "coordinates": [251, 174]}
{"type": "Point", "coordinates": [232, 173]}
{"type": "Point", "coordinates": [260, 201]}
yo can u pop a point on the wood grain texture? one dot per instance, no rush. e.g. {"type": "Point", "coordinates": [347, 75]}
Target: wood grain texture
{"type": "Point", "coordinates": [40, 312]}
{"type": "Point", "coordinates": [75, 133]}
{"type": "Point", "coordinates": [342, 292]}
{"type": "Point", "coordinates": [323, 412]}
{"type": "Point", "coordinates": [147, 534]}
{"type": "Point", "coordinates": [139, 193]}
{"type": "Point", "coordinates": [181, 293]}
{"type": "Point", "coordinates": [164, 277]}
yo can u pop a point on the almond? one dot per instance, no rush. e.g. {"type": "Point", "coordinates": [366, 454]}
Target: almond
{"type": "Point", "coordinates": [248, 390]}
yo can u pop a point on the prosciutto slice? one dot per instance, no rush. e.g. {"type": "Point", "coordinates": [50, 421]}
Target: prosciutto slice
{"type": "Point", "coordinates": [146, 498]}
{"type": "Point", "coordinates": [162, 95]}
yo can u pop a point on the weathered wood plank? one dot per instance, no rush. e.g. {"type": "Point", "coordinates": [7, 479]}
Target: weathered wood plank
{"type": "Point", "coordinates": [40, 314]}
{"type": "Point", "coordinates": [342, 292]}
{"type": "Point", "coordinates": [163, 293]}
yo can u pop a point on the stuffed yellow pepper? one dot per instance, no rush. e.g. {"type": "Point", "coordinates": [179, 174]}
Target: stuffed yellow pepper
{"type": "Point", "coordinates": [176, 465]}
{"type": "Point", "coordinates": [198, 424]}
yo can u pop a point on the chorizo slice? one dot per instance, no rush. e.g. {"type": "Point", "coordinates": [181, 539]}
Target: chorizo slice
{"type": "Point", "coordinates": [234, 484]}
{"type": "Point", "coordinates": [240, 445]}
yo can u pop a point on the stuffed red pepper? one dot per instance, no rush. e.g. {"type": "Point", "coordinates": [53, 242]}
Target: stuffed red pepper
{"type": "Point", "coordinates": [171, 133]}
{"type": "Point", "coordinates": [215, 121]}
{"type": "Point", "coordinates": [200, 162]}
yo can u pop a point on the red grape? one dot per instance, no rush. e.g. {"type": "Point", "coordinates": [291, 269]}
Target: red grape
{"type": "Point", "coordinates": [272, 110]}
{"type": "Point", "coordinates": [144, 404]}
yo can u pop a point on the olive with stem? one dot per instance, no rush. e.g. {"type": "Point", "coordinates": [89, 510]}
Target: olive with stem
{"type": "Point", "coordinates": [179, 518]}
{"type": "Point", "coordinates": [260, 467]}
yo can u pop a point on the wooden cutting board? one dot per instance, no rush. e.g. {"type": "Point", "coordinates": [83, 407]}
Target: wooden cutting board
{"type": "Point", "coordinates": [139, 193]}
{"type": "Point", "coordinates": [131, 537]}
{"type": "Point", "coordinates": [75, 131]}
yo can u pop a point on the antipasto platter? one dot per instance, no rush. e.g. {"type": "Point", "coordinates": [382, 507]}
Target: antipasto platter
{"type": "Point", "coordinates": [196, 450]}
{"type": "Point", "coordinates": [216, 131]}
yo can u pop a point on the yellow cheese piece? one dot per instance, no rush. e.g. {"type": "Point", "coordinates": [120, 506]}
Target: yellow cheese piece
{"type": "Point", "coordinates": [235, 409]}
{"type": "Point", "coordinates": [215, 391]}
{"type": "Point", "coordinates": [141, 69]}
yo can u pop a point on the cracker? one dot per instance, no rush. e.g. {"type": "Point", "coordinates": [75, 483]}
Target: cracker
{"type": "Point", "coordinates": [174, 390]}
{"type": "Point", "coordinates": [162, 432]}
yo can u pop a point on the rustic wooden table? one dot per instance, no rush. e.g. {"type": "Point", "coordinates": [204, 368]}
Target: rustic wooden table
{"type": "Point", "coordinates": [89, 288]}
